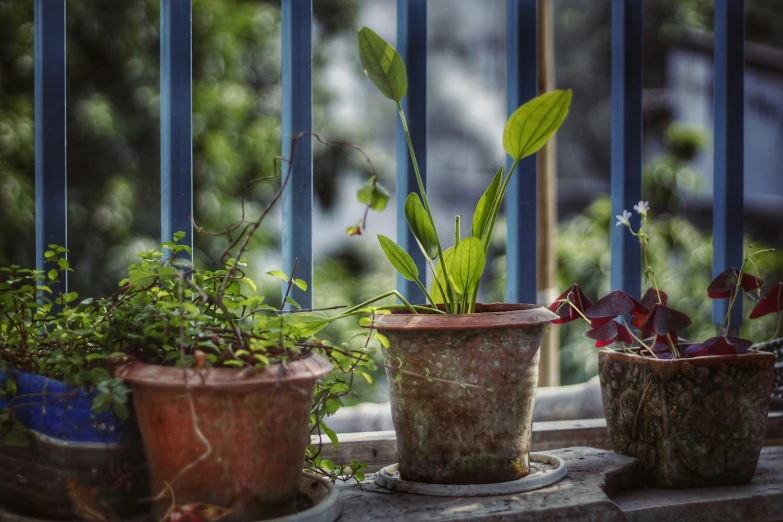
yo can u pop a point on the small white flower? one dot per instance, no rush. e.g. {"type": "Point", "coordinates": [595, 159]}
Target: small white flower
{"type": "Point", "coordinates": [623, 219]}
{"type": "Point", "coordinates": [642, 207]}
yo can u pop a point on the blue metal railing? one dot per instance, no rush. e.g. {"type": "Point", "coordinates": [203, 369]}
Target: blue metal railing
{"type": "Point", "coordinates": [176, 129]}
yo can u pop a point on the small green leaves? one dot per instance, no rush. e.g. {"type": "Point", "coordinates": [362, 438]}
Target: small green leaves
{"type": "Point", "coordinates": [421, 226]}
{"type": "Point", "coordinates": [301, 284]}
{"type": "Point", "coordinates": [373, 195]}
{"type": "Point", "coordinates": [383, 65]}
{"type": "Point", "coordinates": [293, 302]}
{"type": "Point", "coordinates": [484, 207]}
{"type": "Point", "coordinates": [399, 258]}
{"type": "Point", "coordinates": [468, 264]}
{"type": "Point", "coordinates": [381, 339]}
{"type": "Point", "coordinates": [279, 274]}
{"type": "Point", "coordinates": [307, 323]}
{"type": "Point", "coordinates": [531, 125]}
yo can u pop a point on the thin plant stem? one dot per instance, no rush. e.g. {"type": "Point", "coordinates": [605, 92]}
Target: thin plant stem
{"type": "Point", "coordinates": [449, 287]}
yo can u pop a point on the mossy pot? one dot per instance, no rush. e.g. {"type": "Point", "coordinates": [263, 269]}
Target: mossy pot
{"type": "Point", "coordinates": [691, 422]}
{"type": "Point", "coordinates": [476, 428]}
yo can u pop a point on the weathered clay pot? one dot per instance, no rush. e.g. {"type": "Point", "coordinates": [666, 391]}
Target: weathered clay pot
{"type": "Point", "coordinates": [452, 434]}
{"type": "Point", "coordinates": [691, 422]}
{"type": "Point", "coordinates": [257, 425]}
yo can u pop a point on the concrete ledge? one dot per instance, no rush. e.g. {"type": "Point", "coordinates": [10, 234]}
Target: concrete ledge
{"type": "Point", "coordinates": [600, 486]}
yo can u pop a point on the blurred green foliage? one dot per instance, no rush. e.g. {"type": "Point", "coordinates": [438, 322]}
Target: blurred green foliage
{"type": "Point", "coordinates": [679, 252]}
{"type": "Point", "coordinates": [114, 157]}
{"type": "Point", "coordinates": [113, 126]}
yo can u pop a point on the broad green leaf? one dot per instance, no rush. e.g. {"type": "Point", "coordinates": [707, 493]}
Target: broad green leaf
{"type": "Point", "coordinates": [373, 194]}
{"type": "Point", "coordinates": [308, 323]}
{"type": "Point", "coordinates": [290, 300]}
{"type": "Point", "coordinates": [399, 258]}
{"type": "Point", "coordinates": [448, 255]}
{"type": "Point", "coordinates": [484, 206]}
{"type": "Point", "coordinates": [301, 284]}
{"type": "Point", "coordinates": [531, 125]}
{"type": "Point", "coordinates": [421, 226]}
{"type": "Point", "coordinates": [468, 264]}
{"type": "Point", "coordinates": [383, 65]}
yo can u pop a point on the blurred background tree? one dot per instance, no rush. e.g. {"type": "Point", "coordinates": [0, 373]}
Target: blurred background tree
{"type": "Point", "coordinates": [114, 156]}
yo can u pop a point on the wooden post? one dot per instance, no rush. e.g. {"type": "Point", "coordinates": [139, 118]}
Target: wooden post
{"type": "Point", "coordinates": [549, 367]}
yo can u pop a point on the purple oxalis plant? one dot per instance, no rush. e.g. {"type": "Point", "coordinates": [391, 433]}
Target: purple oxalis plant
{"type": "Point", "coordinates": [653, 326]}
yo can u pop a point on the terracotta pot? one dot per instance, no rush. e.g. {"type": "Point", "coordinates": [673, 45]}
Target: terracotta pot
{"type": "Point", "coordinates": [257, 425]}
{"type": "Point", "coordinates": [691, 422]}
{"type": "Point", "coordinates": [451, 434]}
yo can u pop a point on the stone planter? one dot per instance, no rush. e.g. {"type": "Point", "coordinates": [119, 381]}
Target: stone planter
{"type": "Point", "coordinates": [453, 434]}
{"type": "Point", "coordinates": [691, 422]}
{"type": "Point", "coordinates": [256, 425]}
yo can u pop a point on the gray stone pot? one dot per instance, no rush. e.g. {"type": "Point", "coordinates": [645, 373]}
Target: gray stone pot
{"type": "Point", "coordinates": [691, 422]}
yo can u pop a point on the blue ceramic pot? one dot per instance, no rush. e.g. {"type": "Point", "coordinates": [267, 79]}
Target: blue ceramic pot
{"type": "Point", "coordinates": [3, 379]}
{"type": "Point", "coordinates": [63, 412]}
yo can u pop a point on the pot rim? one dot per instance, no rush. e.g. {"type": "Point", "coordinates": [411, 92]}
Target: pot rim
{"type": "Point", "coordinates": [706, 360]}
{"type": "Point", "coordinates": [488, 316]}
{"type": "Point", "coordinates": [306, 369]}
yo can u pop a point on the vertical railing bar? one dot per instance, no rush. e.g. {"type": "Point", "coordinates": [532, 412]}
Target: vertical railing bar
{"type": "Point", "coordinates": [297, 56]}
{"type": "Point", "coordinates": [522, 203]}
{"type": "Point", "coordinates": [50, 137]}
{"type": "Point", "coordinates": [728, 92]}
{"type": "Point", "coordinates": [176, 115]}
{"type": "Point", "coordinates": [412, 46]}
{"type": "Point", "coordinates": [626, 183]}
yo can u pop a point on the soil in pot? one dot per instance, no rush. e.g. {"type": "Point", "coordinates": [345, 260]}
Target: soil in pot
{"type": "Point", "coordinates": [256, 424]}
{"type": "Point", "coordinates": [450, 433]}
{"type": "Point", "coordinates": [691, 422]}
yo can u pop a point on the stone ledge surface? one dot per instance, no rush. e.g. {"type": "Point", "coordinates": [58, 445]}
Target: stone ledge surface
{"type": "Point", "coordinates": [600, 486]}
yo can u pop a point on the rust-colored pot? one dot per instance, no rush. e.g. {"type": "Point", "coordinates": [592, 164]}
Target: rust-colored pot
{"type": "Point", "coordinates": [453, 434]}
{"type": "Point", "coordinates": [691, 422]}
{"type": "Point", "coordinates": [257, 425]}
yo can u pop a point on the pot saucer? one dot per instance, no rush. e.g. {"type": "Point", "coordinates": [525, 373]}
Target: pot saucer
{"type": "Point", "coordinates": [318, 501]}
{"type": "Point", "coordinates": [545, 470]}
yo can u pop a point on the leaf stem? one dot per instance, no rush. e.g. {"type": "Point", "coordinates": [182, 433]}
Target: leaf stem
{"type": "Point", "coordinates": [407, 133]}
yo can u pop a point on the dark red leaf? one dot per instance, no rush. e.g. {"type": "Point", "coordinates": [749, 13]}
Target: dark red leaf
{"type": "Point", "coordinates": [719, 346]}
{"type": "Point", "coordinates": [637, 321]}
{"type": "Point", "coordinates": [660, 348]}
{"type": "Point", "coordinates": [725, 283]}
{"type": "Point", "coordinates": [614, 304]}
{"type": "Point", "coordinates": [595, 323]}
{"type": "Point", "coordinates": [609, 333]}
{"type": "Point", "coordinates": [651, 297]}
{"type": "Point", "coordinates": [771, 303]}
{"type": "Point", "coordinates": [663, 320]}
{"type": "Point", "coordinates": [577, 298]}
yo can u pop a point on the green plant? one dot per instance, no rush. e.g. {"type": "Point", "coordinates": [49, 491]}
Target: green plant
{"type": "Point", "coordinates": [54, 335]}
{"type": "Point", "coordinates": [459, 268]}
